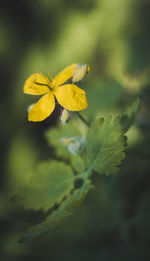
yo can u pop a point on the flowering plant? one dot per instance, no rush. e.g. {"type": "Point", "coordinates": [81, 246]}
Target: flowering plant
{"type": "Point", "coordinates": [82, 147]}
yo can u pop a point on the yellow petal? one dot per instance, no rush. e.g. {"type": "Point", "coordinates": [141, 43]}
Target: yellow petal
{"type": "Point", "coordinates": [43, 108]}
{"type": "Point", "coordinates": [37, 84]}
{"type": "Point", "coordinates": [71, 97]}
{"type": "Point", "coordinates": [63, 76]}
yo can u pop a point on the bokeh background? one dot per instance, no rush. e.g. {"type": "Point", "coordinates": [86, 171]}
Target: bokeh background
{"type": "Point", "coordinates": [113, 38]}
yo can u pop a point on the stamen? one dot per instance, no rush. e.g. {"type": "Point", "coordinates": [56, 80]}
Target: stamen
{"type": "Point", "coordinates": [43, 84]}
{"type": "Point", "coordinates": [50, 77]}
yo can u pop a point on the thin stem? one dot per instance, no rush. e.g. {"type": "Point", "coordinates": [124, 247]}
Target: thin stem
{"type": "Point", "coordinates": [85, 175]}
{"type": "Point", "coordinates": [82, 119]}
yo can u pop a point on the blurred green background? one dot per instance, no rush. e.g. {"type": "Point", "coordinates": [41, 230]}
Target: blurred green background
{"type": "Point", "coordinates": [113, 38]}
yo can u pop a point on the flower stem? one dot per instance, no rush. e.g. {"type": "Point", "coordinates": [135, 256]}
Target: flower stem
{"type": "Point", "coordinates": [82, 119]}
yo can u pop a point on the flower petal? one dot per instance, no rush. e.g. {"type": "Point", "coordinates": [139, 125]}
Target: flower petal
{"type": "Point", "coordinates": [37, 84]}
{"type": "Point", "coordinates": [63, 76]}
{"type": "Point", "coordinates": [43, 108]}
{"type": "Point", "coordinates": [71, 97]}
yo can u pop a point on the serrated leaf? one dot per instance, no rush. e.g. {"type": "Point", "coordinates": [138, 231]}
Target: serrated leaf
{"type": "Point", "coordinates": [105, 145]}
{"type": "Point", "coordinates": [130, 114]}
{"type": "Point", "coordinates": [48, 184]}
{"type": "Point", "coordinates": [66, 208]}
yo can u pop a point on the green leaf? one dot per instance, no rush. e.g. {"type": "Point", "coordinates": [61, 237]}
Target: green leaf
{"type": "Point", "coordinates": [105, 145]}
{"type": "Point", "coordinates": [73, 201]}
{"type": "Point", "coordinates": [66, 208]}
{"type": "Point", "coordinates": [54, 136]}
{"type": "Point", "coordinates": [48, 184]}
{"type": "Point", "coordinates": [130, 114]}
{"type": "Point", "coordinates": [78, 164]}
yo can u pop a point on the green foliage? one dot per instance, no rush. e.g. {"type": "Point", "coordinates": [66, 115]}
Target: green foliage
{"type": "Point", "coordinates": [48, 184]}
{"type": "Point", "coordinates": [130, 114]}
{"type": "Point", "coordinates": [54, 183]}
{"type": "Point", "coordinates": [66, 208]}
{"type": "Point", "coordinates": [54, 136]}
{"type": "Point", "coordinates": [105, 145]}
{"type": "Point", "coordinates": [78, 164]}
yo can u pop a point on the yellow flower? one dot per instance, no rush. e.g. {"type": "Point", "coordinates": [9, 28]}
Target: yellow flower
{"type": "Point", "coordinates": [69, 96]}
